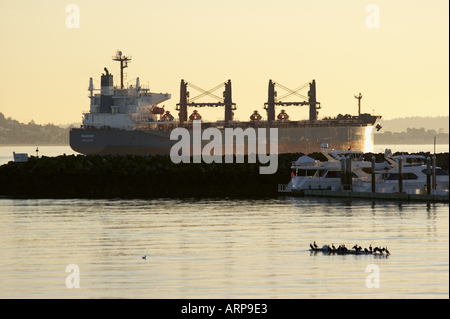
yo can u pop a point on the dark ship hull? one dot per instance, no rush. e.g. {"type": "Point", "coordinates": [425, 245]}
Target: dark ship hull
{"type": "Point", "coordinates": [303, 136]}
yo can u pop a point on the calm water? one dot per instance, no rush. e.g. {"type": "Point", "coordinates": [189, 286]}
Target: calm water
{"type": "Point", "coordinates": [221, 248]}
{"type": "Point", "coordinates": [6, 152]}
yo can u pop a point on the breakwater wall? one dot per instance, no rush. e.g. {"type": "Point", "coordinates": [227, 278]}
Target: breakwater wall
{"type": "Point", "coordinates": [147, 177]}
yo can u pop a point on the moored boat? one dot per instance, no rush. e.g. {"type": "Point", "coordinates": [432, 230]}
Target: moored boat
{"type": "Point", "coordinates": [307, 173]}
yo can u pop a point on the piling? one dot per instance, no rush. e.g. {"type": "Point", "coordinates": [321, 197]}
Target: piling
{"type": "Point", "coordinates": [373, 174]}
{"type": "Point", "coordinates": [349, 172]}
{"type": "Point", "coordinates": [400, 175]}
{"type": "Point", "coordinates": [343, 173]}
{"type": "Point", "coordinates": [434, 172]}
{"type": "Point", "coordinates": [428, 176]}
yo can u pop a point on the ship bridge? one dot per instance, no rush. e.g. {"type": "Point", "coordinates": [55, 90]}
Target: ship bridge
{"type": "Point", "coordinates": [117, 107]}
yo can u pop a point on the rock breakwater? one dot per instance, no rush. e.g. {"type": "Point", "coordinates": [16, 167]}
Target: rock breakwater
{"type": "Point", "coordinates": [146, 177]}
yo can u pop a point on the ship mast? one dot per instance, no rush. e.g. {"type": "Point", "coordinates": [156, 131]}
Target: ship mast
{"type": "Point", "coordinates": [359, 97]}
{"type": "Point", "coordinates": [123, 64]}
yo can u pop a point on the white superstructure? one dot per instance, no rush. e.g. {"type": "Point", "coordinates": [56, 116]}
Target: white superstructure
{"type": "Point", "coordinates": [119, 107]}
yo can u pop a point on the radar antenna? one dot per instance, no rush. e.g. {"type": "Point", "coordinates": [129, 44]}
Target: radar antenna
{"type": "Point", "coordinates": [123, 64]}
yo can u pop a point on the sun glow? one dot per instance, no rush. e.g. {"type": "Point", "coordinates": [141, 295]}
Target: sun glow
{"type": "Point", "coordinates": [368, 143]}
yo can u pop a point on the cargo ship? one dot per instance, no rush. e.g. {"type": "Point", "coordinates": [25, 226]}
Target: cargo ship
{"type": "Point", "coordinates": [129, 121]}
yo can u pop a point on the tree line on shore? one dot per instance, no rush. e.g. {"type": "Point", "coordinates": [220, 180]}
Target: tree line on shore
{"type": "Point", "coordinates": [412, 136]}
{"type": "Point", "coordinates": [13, 132]}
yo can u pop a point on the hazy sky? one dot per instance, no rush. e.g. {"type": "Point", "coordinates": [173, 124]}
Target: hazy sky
{"type": "Point", "coordinates": [401, 68]}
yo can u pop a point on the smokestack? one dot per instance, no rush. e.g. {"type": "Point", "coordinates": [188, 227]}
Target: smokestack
{"type": "Point", "coordinates": [107, 87]}
{"type": "Point", "coordinates": [107, 91]}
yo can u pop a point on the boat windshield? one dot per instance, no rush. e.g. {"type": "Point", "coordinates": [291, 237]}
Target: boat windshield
{"type": "Point", "coordinates": [412, 159]}
{"type": "Point", "coordinates": [405, 176]}
{"type": "Point", "coordinates": [337, 174]}
{"type": "Point", "coordinates": [354, 155]}
{"type": "Point", "coordinates": [438, 171]}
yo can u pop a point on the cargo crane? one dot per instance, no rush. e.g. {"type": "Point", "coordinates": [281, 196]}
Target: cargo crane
{"type": "Point", "coordinates": [225, 101]}
{"type": "Point", "coordinates": [272, 100]}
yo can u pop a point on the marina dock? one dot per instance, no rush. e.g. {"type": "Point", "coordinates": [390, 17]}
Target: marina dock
{"type": "Point", "coordinates": [378, 196]}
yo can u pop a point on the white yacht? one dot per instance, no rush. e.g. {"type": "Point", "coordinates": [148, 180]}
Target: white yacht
{"type": "Point", "coordinates": [307, 173]}
{"type": "Point", "coordinates": [414, 176]}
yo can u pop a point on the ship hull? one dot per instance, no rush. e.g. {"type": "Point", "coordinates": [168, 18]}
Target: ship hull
{"type": "Point", "coordinates": [290, 140]}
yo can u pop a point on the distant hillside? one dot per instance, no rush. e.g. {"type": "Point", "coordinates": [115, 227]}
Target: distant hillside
{"type": "Point", "coordinates": [70, 125]}
{"type": "Point", "coordinates": [13, 132]}
{"type": "Point", "coordinates": [408, 130]}
{"type": "Point", "coordinates": [428, 123]}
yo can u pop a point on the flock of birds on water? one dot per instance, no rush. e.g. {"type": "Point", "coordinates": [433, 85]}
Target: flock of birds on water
{"type": "Point", "coordinates": [344, 249]}
{"type": "Point", "coordinates": [356, 248]}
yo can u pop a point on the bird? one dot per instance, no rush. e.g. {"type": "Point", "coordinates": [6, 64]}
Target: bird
{"type": "Point", "coordinates": [329, 248]}
{"type": "Point", "coordinates": [387, 252]}
{"type": "Point", "coordinates": [311, 246]}
{"type": "Point", "coordinates": [355, 247]}
{"type": "Point", "coordinates": [315, 246]}
{"type": "Point", "coordinates": [366, 250]}
{"type": "Point", "coordinates": [145, 257]}
{"type": "Point", "coordinates": [332, 246]}
{"type": "Point", "coordinates": [375, 250]}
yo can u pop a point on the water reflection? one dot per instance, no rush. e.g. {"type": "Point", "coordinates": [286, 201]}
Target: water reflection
{"type": "Point", "coordinates": [220, 248]}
